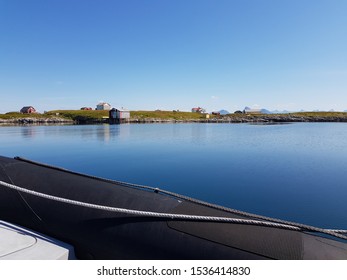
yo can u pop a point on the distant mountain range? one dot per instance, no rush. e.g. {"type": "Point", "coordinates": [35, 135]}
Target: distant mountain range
{"type": "Point", "coordinates": [223, 112]}
{"type": "Point", "coordinates": [265, 111]}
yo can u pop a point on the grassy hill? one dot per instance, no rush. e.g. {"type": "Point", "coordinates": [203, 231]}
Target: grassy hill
{"type": "Point", "coordinates": [99, 115]}
{"type": "Point", "coordinates": [93, 116]}
{"type": "Point", "coordinates": [166, 115]}
{"type": "Point", "coordinates": [319, 114]}
{"type": "Point", "coordinates": [80, 115]}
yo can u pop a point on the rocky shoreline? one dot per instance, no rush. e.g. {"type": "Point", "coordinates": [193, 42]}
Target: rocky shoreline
{"type": "Point", "coordinates": [270, 119]}
{"type": "Point", "coordinates": [24, 121]}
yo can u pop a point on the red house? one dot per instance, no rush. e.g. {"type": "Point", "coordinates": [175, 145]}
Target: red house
{"type": "Point", "coordinates": [198, 110]}
{"type": "Point", "coordinates": [28, 110]}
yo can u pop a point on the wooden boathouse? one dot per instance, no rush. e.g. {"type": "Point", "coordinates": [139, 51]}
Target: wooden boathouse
{"type": "Point", "coordinates": [117, 116]}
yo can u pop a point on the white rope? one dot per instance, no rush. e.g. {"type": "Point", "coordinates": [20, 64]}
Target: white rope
{"type": "Point", "coordinates": [333, 232]}
{"type": "Point", "coordinates": [337, 233]}
{"type": "Point", "coordinates": [343, 231]}
{"type": "Point", "coordinates": [148, 213]}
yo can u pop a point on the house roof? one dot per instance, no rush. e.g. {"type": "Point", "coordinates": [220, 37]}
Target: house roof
{"type": "Point", "coordinates": [27, 107]}
{"type": "Point", "coordinates": [120, 110]}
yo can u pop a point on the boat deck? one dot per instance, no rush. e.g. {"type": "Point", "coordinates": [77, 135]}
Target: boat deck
{"type": "Point", "coordinates": [18, 243]}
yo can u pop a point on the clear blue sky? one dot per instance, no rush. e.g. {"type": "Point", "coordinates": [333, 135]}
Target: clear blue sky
{"type": "Point", "coordinates": [173, 54]}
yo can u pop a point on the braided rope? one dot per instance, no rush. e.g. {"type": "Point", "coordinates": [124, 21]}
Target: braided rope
{"type": "Point", "coordinates": [333, 232]}
{"type": "Point", "coordinates": [147, 213]}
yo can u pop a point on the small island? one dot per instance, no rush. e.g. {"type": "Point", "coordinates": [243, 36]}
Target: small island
{"type": "Point", "coordinates": [158, 116]}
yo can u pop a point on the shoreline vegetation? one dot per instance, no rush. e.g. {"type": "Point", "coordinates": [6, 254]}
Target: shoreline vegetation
{"type": "Point", "coordinates": [101, 116]}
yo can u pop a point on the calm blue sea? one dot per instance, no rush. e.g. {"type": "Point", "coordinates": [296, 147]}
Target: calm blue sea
{"type": "Point", "coordinates": [296, 172]}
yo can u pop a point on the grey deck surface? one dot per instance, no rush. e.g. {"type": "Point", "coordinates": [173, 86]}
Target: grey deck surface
{"type": "Point", "coordinates": [18, 243]}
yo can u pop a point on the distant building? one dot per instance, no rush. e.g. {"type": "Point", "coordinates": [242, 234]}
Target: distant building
{"type": "Point", "coordinates": [86, 109]}
{"type": "Point", "coordinates": [103, 106]}
{"type": "Point", "coordinates": [198, 110]}
{"type": "Point", "coordinates": [248, 110]}
{"type": "Point", "coordinates": [119, 115]}
{"type": "Point", "coordinates": [28, 110]}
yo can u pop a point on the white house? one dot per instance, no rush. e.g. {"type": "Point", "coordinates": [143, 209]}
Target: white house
{"type": "Point", "coordinates": [103, 106]}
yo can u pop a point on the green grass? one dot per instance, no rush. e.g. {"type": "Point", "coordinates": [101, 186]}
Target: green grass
{"type": "Point", "coordinates": [76, 115]}
{"type": "Point", "coordinates": [79, 114]}
{"type": "Point", "coordinates": [166, 115]}
{"type": "Point", "coordinates": [99, 114]}
{"type": "Point", "coordinates": [96, 115]}
{"type": "Point", "coordinates": [320, 114]}
{"type": "Point", "coordinates": [17, 115]}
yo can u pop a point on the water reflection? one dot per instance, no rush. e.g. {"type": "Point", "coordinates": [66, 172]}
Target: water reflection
{"type": "Point", "coordinates": [107, 133]}
{"type": "Point", "coordinates": [258, 169]}
{"type": "Point", "coordinates": [102, 133]}
{"type": "Point", "coordinates": [199, 134]}
{"type": "Point", "coordinates": [28, 131]}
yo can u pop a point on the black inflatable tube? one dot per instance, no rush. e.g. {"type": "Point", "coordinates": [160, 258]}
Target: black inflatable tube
{"type": "Point", "coordinates": [98, 234]}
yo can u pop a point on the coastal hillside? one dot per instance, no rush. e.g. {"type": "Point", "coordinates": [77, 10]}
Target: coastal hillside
{"type": "Point", "coordinates": [100, 116]}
